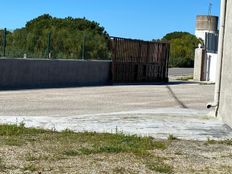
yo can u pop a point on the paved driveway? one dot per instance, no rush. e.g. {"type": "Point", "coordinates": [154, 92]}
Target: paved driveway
{"type": "Point", "coordinates": [154, 110]}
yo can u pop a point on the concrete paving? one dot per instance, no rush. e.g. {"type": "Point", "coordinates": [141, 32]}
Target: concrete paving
{"type": "Point", "coordinates": [152, 110]}
{"type": "Point", "coordinates": [180, 71]}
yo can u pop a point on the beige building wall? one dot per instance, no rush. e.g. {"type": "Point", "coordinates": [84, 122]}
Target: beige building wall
{"type": "Point", "coordinates": [225, 105]}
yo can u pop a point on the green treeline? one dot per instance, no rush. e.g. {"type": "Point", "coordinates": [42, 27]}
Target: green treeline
{"type": "Point", "coordinates": [183, 46]}
{"type": "Point", "coordinates": [77, 38]}
{"type": "Point", "coordinates": [70, 38]}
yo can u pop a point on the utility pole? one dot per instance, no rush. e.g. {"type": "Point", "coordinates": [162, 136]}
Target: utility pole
{"type": "Point", "coordinates": [210, 14]}
{"type": "Point", "coordinates": [4, 42]}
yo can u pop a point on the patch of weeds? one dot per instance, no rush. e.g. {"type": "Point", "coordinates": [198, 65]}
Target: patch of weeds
{"type": "Point", "coordinates": [160, 145]}
{"type": "Point", "coordinates": [13, 141]}
{"type": "Point", "coordinates": [15, 130]}
{"type": "Point", "coordinates": [30, 167]}
{"type": "Point", "coordinates": [209, 141]}
{"type": "Point", "coordinates": [71, 152]}
{"type": "Point", "coordinates": [227, 142]}
{"type": "Point", "coordinates": [119, 170]}
{"type": "Point", "coordinates": [110, 143]}
{"type": "Point", "coordinates": [68, 131]}
{"type": "Point", "coordinates": [160, 167]}
{"type": "Point", "coordinates": [104, 149]}
{"type": "Point", "coordinates": [32, 157]}
{"type": "Point", "coordinates": [172, 137]}
{"type": "Point", "coordinates": [56, 157]}
{"type": "Point", "coordinates": [93, 150]}
{"type": "Point", "coordinates": [112, 149]}
{"type": "Point", "coordinates": [93, 142]}
{"type": "Point", "coordinates": [22, 124]}
{"type": "Point", "coordinates": [86, 151]}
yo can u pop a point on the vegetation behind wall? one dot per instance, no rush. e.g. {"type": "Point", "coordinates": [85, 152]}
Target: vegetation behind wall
{"type": "Point", "coordinates": [73, 38]}
{"type": "Point", "coordinates": [183, 46]}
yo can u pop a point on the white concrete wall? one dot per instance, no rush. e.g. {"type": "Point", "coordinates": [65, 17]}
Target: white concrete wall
{"type": "Point", "coordinates": [205, 66]}
{"type": "Point", "coordinates": [201, 33]}
{"type": "Point", "coordinates": [211, 65]}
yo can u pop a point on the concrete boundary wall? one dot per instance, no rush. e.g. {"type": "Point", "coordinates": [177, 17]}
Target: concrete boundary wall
{"type": "Point", "coordinates": [36, 73]}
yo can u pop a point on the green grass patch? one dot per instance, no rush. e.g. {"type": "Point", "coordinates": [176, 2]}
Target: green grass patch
{"type": "Point", "coordinates": [71, 152]}
{"type": "Point", "coordinates": [17, 130]}
{"type": "Point", "coordinates": [109, 143]}
{"type": "Point", "coordinates": [89, 142]}
{"type": "Point", "coordinates": [159, 166]}
{"type": "Point", "coordinates": [112, 143]}
{"type": "Point", "coordinates": [227, 142]}
{"type": "Point", "coordinates": [13, 141]}
{"type": "Point", "coordinates": [55, 146]}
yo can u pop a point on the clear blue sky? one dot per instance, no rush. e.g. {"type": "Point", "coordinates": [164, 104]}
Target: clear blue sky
{"type": "Point", "coordinates": [142, 19]}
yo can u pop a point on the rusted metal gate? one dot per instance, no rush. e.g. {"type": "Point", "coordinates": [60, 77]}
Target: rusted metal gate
{"type": "Point", "coordinates": [139, 61]}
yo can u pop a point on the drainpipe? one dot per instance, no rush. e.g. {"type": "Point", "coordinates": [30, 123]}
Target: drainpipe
{"type": "Point", "coordinates": [220, 58]}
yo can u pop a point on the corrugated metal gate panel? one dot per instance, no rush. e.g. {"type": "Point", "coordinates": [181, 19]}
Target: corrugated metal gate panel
{"type": "Point", "coordinates": [139, 61]}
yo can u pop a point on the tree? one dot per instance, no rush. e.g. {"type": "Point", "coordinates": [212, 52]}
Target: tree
{"type": "Point", "coordinates": [67, 38]}
{"type": "Point", "coordinates": [183, 45]}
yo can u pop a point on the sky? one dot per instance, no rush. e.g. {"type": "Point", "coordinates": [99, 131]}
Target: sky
{"type": "Point", "coordinates": [138, 19]}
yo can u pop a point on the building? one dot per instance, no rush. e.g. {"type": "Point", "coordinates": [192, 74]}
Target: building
{"type": "Point", "coordinates": [206, 54]}
{"type": "Point", "coordinates": [206, 24]}
{"type": "Point", "coordinates": [223, 87]}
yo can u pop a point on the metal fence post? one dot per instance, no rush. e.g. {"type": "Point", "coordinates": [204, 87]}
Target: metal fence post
{"type": "Point", "coordinates": [83, 47]}
{"type": "Point", "coordinates": [4, 42]}
{"type": "Point", "coordinates": [49, 45]}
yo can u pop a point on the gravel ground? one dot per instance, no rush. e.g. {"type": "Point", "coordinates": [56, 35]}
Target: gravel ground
{"type": "Point", "coordinates": [182, 157]}
{"type": "Point", "coordinates": [198, 157]}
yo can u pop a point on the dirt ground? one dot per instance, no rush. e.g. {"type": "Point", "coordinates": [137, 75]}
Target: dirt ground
{"type": "Point", "coordinates": [182, 156]}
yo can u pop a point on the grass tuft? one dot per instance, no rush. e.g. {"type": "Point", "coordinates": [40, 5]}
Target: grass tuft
{"type": "Point", "coordinates": [172, 138]}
